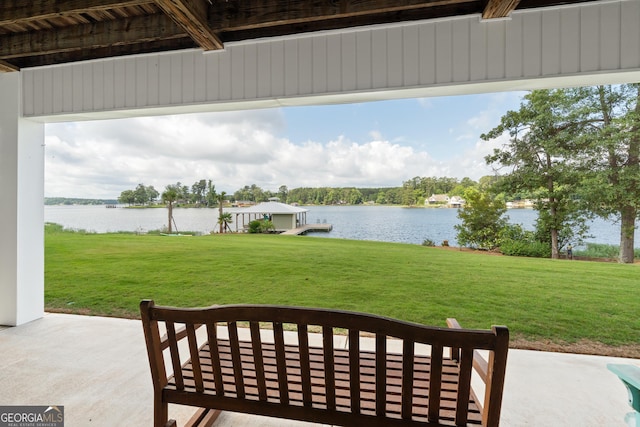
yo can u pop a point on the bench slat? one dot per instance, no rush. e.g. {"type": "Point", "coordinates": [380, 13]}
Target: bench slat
{"type": "Point", "coordinates": [381, 374]}
{"type": "Point", "coordinates": [354, 369]}
{"type": "Point", "coordinates": [281, 363]}
{"type": "Point", "coordinates": [435, 383]}
{"type": "Point", "coordinates": [305, 369]}
{"type": "Point", "coordinates": [256, 344]}
{"type": "Point", "coordinates": [214, 353]}
{"type": "Point", "coordinates": [195, 358]}
{"type": "Point", "coordinates": [329, 374]}
{"type": "Point", "coordinates": [175, 354]}
{"type": "Point", "coordinates": [235, 358]}
{"type": "Point", "coordinates": [464, 386]}
{"type": "Point", "coordinates": [407, 379]}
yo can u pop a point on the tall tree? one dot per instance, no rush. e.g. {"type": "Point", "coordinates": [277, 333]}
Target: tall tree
{"type": "Point", "coordinates": [542, 137]}
{"type": "Point", "coordinates": [169, 196]}
{"type": "Point", "coordinates": [140, 194]}
{"type": "Point", "coordinates": [283, 192]}
{"type": "Point", "coordinates": [612, 162]}
{"type": "Point", "coordinates": [198, 191]}
{"type": "Point", "coordinates": [211, 194]}
{"type": "Point", "coordinates": [128, 197]}
{"type": "Point", "coordinates": [221, 198]}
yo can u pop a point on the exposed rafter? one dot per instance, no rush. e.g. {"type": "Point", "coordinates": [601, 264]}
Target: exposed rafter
{"type": "Point", "coordinates": [90, 36]}
{"type": "Point", "coordinates": [44, 32]}
{"type": "Point", "coordinates": [6, 67]}
{"type": "Point", "coordinates": [192, 16]}
{"type": "Point", "coordinates": [252, 14]}
{"type": "Point", "coordinates": [499, 8]}
{"type": "Point", "coordinates": [20, 11]}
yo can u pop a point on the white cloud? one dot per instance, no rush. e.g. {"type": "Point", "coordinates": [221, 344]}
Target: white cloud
{"type": "Point", "coordinates": [101, 159]}
{"type": "Point", "coordinates": [472, 164]}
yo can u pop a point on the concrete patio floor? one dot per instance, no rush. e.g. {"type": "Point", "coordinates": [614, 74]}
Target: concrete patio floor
{"type": "Point", "coordinates": [97, 368]}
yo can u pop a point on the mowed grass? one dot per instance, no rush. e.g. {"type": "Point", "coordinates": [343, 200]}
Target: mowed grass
{"type": "Point", "coordinates": [538, 299]}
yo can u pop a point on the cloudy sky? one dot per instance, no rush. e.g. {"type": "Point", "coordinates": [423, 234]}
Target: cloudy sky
{"type": "Point", "coordinates": [376, 144]}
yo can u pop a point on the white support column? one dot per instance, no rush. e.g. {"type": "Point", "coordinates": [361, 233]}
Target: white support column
{"type": "Point", "coordinates": [21, 208]}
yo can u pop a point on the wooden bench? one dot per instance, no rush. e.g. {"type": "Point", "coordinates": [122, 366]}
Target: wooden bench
{"type": "Point", "coordinates": [277, 370]}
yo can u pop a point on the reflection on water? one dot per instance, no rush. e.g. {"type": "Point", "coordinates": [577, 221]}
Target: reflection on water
{"type": "Point", "coordinates": [389, 224]}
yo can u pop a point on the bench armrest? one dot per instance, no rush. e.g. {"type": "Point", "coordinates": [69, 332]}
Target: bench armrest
{"type": "Point", "coordinates": [479, 363]}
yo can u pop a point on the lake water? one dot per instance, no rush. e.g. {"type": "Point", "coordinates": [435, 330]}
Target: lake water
{"type": "Point", "coordinates": [389, 224]}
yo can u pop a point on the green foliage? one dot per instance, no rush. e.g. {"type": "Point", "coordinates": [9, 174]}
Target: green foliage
{"type": "Point", "coordinates": [538, 299]}
{"type": "Point", "coordinates": [142, 195]}
{"type": "Point", "coordinates": [51, 228]}
{"type": "Point", "coordinates": [224, 220]}
{"type": "Point", "coordinates": [525, 248]}
{"type": "Point", "coordinates": [572, 229]}
{"type": "Point", "coordinates": [48, 201]}
{"type": "Point", "coordinates": [428, 242]}
{"type": "Point", "coordinates": [413, 192]}
{"type": "Point", "coordinates": [539, 155]}
{"type": "Point", "coordinates": [482, 220]}
{"type": "Point", "coordinates": [170, 195]}
{"type": "Point", "coordinates": [599, 250]}
{"type": "Point", "coordinates": [574, 150]}
{"type": "Point", "coordinates": [261, 226]}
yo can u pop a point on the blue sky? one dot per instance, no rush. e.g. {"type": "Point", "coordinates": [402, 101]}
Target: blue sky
{"type": "Point", "coordinates": [375, 144]}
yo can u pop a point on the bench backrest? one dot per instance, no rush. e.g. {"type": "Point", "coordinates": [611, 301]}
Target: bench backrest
{"type": "Point", "coordinates": [447, 346]}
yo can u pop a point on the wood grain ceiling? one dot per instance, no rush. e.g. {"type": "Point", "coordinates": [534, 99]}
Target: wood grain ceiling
{"type": "Point", "coordinates": [46, 32]}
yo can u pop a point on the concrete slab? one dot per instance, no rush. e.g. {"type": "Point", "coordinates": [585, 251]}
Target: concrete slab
{"type": "Point", "coordinates": [97, 368]}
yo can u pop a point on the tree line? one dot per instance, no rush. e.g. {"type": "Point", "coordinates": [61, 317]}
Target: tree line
{"type": "Point", "coordinates": [203, 193]}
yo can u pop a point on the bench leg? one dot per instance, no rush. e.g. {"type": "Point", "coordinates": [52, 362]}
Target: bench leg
{"type": "Point", "coordinates": [160, 412]}
{"type": "Point", "coordinates": [203, 418]}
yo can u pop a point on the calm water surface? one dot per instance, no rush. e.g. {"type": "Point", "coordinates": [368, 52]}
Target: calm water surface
{"type": "Point", "coordinates": [388, 224]}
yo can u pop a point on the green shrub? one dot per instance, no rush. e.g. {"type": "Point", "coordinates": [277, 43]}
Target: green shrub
{"type": "Point", "coordinates": [255, 226]}
{"type": "Point", "coordinates": [600, 250]}
{"type": "Point", "coordinates": [53, 228]}
{"type": "Point", "coordinates": [481, 220]}
{"type": "Point", "coordinates": [525, 248]}
{"type": "Point", "coordinates": [428, 242]}
{"type": "Point", "coordinates": [261, 226]}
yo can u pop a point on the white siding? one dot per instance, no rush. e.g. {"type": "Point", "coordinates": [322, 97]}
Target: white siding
{"type": "Point", "coordinates": [598, 38]}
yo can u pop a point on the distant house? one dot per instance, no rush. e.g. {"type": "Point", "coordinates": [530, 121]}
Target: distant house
{"type": "Point", "coordinates": [284, 217]}
{"type": "Point", "coordinates": [456, 202]}
{"type": "Point", "coordinates": [438, 199]}
{"type": "Point", "coordinates": [444, 199]}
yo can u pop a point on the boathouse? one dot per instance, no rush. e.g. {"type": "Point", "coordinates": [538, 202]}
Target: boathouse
{"type": "Point", "coordinates": [284, 217]}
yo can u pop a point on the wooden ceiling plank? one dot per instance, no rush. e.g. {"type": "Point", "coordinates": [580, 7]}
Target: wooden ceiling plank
{"type": "Point", "coordinates": [90, 36]}
{"type": "Point", "coordinates": [252, 14]}
{"type": "Point", "coordinates": [192, 16]}
{"type": "Point", "coordinates": [19, 11]}
{"type": "Point", "coordinates": [499, 8]}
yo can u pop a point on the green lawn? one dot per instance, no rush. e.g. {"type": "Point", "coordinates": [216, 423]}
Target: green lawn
{"type": "Point", "coordinates": [538, 299]}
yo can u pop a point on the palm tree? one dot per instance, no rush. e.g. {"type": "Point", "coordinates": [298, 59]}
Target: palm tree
{"type": "Point", "coordinates": [220, 214]}
{"type": "Point", "coordinates": [169, 196]}
{"type": "Point", "coordinates": [224, 220]}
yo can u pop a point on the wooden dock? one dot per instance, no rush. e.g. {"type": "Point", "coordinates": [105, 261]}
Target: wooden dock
{"type": "Point", "coordinates": [309, 227]}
